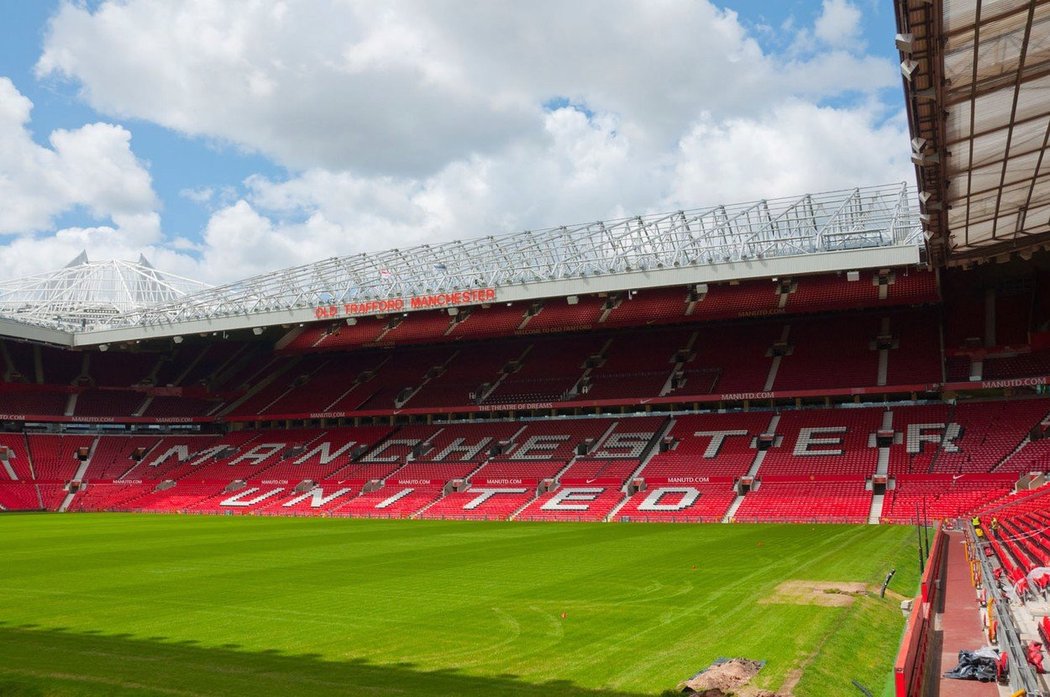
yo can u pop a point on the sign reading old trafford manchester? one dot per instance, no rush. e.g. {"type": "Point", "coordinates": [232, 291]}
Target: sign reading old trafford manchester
{"type": "Point", "coordinates": [414, 302]}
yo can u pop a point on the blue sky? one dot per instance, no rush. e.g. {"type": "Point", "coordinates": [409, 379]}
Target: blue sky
{"type": "Point", "coordinates": [223, 143]}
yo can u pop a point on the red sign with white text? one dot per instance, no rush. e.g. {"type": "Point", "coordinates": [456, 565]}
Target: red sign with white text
{"type": "Point", "coordinates": [414, 302]}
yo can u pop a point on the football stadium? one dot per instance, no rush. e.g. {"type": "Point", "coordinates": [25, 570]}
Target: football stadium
{"type": "Point", "coordinates": [795, 446]}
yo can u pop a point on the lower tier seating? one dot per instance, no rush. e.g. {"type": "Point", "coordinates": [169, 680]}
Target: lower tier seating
{"type": "Point", "coordinates": [806, 502]}
{"type": "Point", "coordinates": [578, 503]}
{"type": "Point", "coordinates": [808, 465]}
{"type": "Point", "coordinates": [939, 498]}
{"type": "Point", "coordinates": [695, 503]}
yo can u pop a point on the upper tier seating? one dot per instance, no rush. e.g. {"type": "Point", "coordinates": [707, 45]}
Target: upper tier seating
{"type": "Point", "coordinates": [344, 384]}
{"type": "Point", "coordinates": [834, 292]}
{"type": "Point", "coordinates": [209, 361]}
{"type": "Point", "coordinates": [338, 335]}
{"type": "Point", "coordinates": [957, 368]}
{"type": "Point", "coordinates": [917, 358]}
{"type": "Point", "coordinates": [403, 375]}
{"type": "Point", "coordinates": [650, 306]}
{"type": "Point", "coordinates": [856, 363]}
{"type": "Point", "coordinates": [108, 403]}
{"type": "Point", "coordinates": [461, 381]}
{"type": "Point", "coordinates": [494, 321]}
{"type": "Point", "coordinates": [743, 299]}
{"type": "Point", "coordinates": [419, 326]}
{"type": "Point", "coordinates": [21, 365]}
{"type": "Point", "coordinates": [756, 298]}
{"type": "Point", "coordinates": [557, 314]}
{"type": "Point", "coordinates": [1013, 315]}
{"type": "Point", "coordinates": [289, 374]}
{"type": "Point", "coordinates": [548, 371]}
{"type": "Point", "coordinates": [1006, 367]}
{"type": "Point", "coordinates": [166, 406]}
{"type": "Point", "coordinates": [35, 403]}
{"type": "Point", "coordinates": [60, 367]}
{"type": "Point", "coordinates": [120, 369]}
{"type": "Point", "coordinates": [635, 366]}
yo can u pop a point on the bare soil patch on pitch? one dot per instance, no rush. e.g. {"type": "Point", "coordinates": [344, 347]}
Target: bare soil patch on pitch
{"type": "Point", "coordinates": [721, 679]}
{"type": "Point", "coordinates": [822, 593]}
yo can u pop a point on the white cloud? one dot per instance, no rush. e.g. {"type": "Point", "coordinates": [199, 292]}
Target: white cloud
{"type": "Point", "coordinates": [798, 147]}
{"type": "Point", "coordinates": [838, 24]}
{"type": "Point", "coordinates": [201, 195]}
{"type": "Point", "coordinates": [403, 88]}
{"type": "Point", "coordinates": [91, 167]}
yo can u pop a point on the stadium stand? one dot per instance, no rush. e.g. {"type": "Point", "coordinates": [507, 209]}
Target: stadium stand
{"type": "Point", "coordinates": [542, 411]}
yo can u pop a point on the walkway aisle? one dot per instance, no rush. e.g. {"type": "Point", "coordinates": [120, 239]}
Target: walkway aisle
{"type": "Point", "coordinates": [960, 627]}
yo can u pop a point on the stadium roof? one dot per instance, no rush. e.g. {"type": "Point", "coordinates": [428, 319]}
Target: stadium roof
{"type": "Point", "coordinates": [977, 81]}
{"type": "Point", "coordinates": [850, 229]}
{"type": "Point", "coordinates": [90, 293]}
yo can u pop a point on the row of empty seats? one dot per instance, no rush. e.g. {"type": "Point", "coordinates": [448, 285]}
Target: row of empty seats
{"type": "Point", "coordinates": [767, 355]}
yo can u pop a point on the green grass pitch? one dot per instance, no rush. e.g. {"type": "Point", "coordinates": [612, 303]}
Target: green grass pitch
{"type": "Point", "coordinates": [97, 604]}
